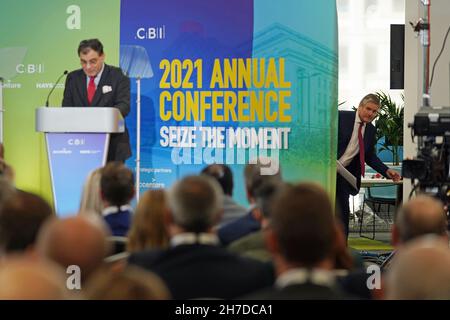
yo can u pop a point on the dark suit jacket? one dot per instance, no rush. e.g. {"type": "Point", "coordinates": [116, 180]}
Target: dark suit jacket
{"type": "Point", "coordinates": [205, 271]}
{"type": "Point", "coordinates": [346, 124]}
{"type": "Point", "coordinates": [75, 95]}
{"type": "Point", "coordinates": [238, 228]}
{"type": "Point", "coordinates": [119, 222]}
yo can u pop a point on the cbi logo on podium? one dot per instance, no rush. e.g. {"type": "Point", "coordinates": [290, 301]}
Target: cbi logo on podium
{"type": "Point", "coordinates": [75, 142]}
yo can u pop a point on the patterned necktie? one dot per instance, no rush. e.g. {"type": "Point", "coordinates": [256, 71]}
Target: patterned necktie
{"type": "Point", "coordinates": [91, 89]}
{"type": "Point", "coordinates": [361, 149]}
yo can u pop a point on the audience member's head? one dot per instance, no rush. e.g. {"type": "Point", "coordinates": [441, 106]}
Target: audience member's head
{"type": "Point", "coordinates": [343, 256]}
{"type": "Point", "coordinates": [6, 171]}
{"type": "Point", "coordinates": [302, 228]}
{"type": "Point", "coordinates": [6, 190]}
{"type": "Point", "coordinates": [254, 179]}
{"type": "Point", "coordinates": [30, 279]}
{"type": "Point", "coordinates": [79, 241]}
{"type": "Point", "coordinates": [420, 216]}
{"type": "Point", "coordinates": [132, 283]}
{"type": "Point", "coordinates": [420, 270]}
{"type": "Point", "coordinates": [116, 184]}
{"type": "Point", "coordinates": [264, 195]}
{"type": "Point", "coordinates": [195, 204]}
{"type": "Point", "coordinates": [21, 218]}
{"type": "Point", "coordinates": [148, 230]}
{"type": "Point", "coordinates": [91, 201]}
{"type": "Point", "coordinates": [222, 173]}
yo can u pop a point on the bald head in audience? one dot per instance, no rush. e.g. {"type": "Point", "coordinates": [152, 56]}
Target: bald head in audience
{"type": "Point", "coordinates": [420, 270]}
{"type": "Point", "coordinates": [26, 279]}
{"type": "Point", "coordinates": [420, 216]}
{"type": "Point", "coordinates": [77, 241]}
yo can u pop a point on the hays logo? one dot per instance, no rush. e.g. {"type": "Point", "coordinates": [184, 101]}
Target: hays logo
{"type": "Point", "coordinates": [151, 33]}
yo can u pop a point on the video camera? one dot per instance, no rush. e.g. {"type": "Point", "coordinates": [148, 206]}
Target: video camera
{"type": "Point", "coordinates": [431, 167]}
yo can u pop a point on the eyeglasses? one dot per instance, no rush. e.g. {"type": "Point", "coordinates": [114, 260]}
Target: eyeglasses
{"type": "Point", "coordinates": [92, 62]}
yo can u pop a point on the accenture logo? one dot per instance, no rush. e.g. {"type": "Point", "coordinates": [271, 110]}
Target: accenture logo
{"type": "Point", "coordinates": [151, 33]}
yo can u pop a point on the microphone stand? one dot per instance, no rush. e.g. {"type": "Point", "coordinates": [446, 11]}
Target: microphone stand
{"type": "Point", "coordinates": [54, 87]}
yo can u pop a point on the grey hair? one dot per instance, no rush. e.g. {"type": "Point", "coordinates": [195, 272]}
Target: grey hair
{"type": "Point", "coordinates": [420, 216]}
{"type": "Point", "coordinates": [195, 202]}
{"type": "Point", "coordinates": [371, 97]}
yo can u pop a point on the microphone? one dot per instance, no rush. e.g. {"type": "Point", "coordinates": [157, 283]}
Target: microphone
{"type": "Point", "coordinates": [50, 93]}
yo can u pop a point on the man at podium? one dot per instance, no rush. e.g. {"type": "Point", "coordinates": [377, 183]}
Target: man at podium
{"type": "Point", "coordinates": [97, 84]}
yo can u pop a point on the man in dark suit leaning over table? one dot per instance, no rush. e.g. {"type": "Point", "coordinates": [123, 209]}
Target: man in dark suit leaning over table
{"type": "Point", "coordinates": [355, 130]}
{"type": "Point", "coordinates": [97, 84]}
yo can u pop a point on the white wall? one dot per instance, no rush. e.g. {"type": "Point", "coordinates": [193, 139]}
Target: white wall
{"type": "Point", "coordinates": [364, 47]}
{"type": "Point", "coordinates": [440, 91]}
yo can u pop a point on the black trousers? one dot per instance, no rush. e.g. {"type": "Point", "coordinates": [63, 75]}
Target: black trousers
{"type": "Point", "coordinates": [342, 202]}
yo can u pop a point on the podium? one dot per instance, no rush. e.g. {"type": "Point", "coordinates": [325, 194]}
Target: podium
{"type": "Point", "coordinates": [77, 140]}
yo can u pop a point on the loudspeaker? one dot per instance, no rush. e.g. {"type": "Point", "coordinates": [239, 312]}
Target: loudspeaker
{"type": "Point", "coordinates": [397, 56]}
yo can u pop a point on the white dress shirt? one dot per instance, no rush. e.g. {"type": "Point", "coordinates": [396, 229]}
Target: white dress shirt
{"type": "Point", "coordinates": [300, 276]}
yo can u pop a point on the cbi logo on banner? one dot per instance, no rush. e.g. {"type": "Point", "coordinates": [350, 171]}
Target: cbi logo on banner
{"type": "Point", "coordinates": [151, 33]}
{"type": "Point", "coordinates": [30, 68]}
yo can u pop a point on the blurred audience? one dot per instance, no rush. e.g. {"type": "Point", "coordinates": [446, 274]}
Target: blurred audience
{"type": "Point", "coordinates": [250, 222]}
{"type": "Point", "coordinates": [195, 266]}
{"type": "Point", "coordinates": [301, 238]}
{"type": "Point", "coordinates": [6, 189]}
{"type": "Point", "coordinates": [91, 200]}
{"type": "Point", "coordinates": [253, 245]}
{"type": "Point", "coordinates": [6, 171]}
{"type": "Point", "coordinates": [420, 271]}
{"type": "Point", "coordinates": [22, 278]}
{"type": "Point", "coordinates": [79, 241]}
{"type": "Point", "coordinates": [133, 283]}
{"type": "Point", "coordinates": [147, 229]}
{"type": "Point", "coordinates": [419, 216]}
{"type": "Point", "coordinates": [231, 210]}
{"type": "Point", "coordinates": [117, 191]}
{"type": "Point", "coordinates": [21, 217]}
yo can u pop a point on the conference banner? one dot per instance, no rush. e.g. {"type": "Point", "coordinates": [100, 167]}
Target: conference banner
{"type": "Point", "coordinates": [234, 82]}
{"type": "Point", "coordinates": [221, 81]}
